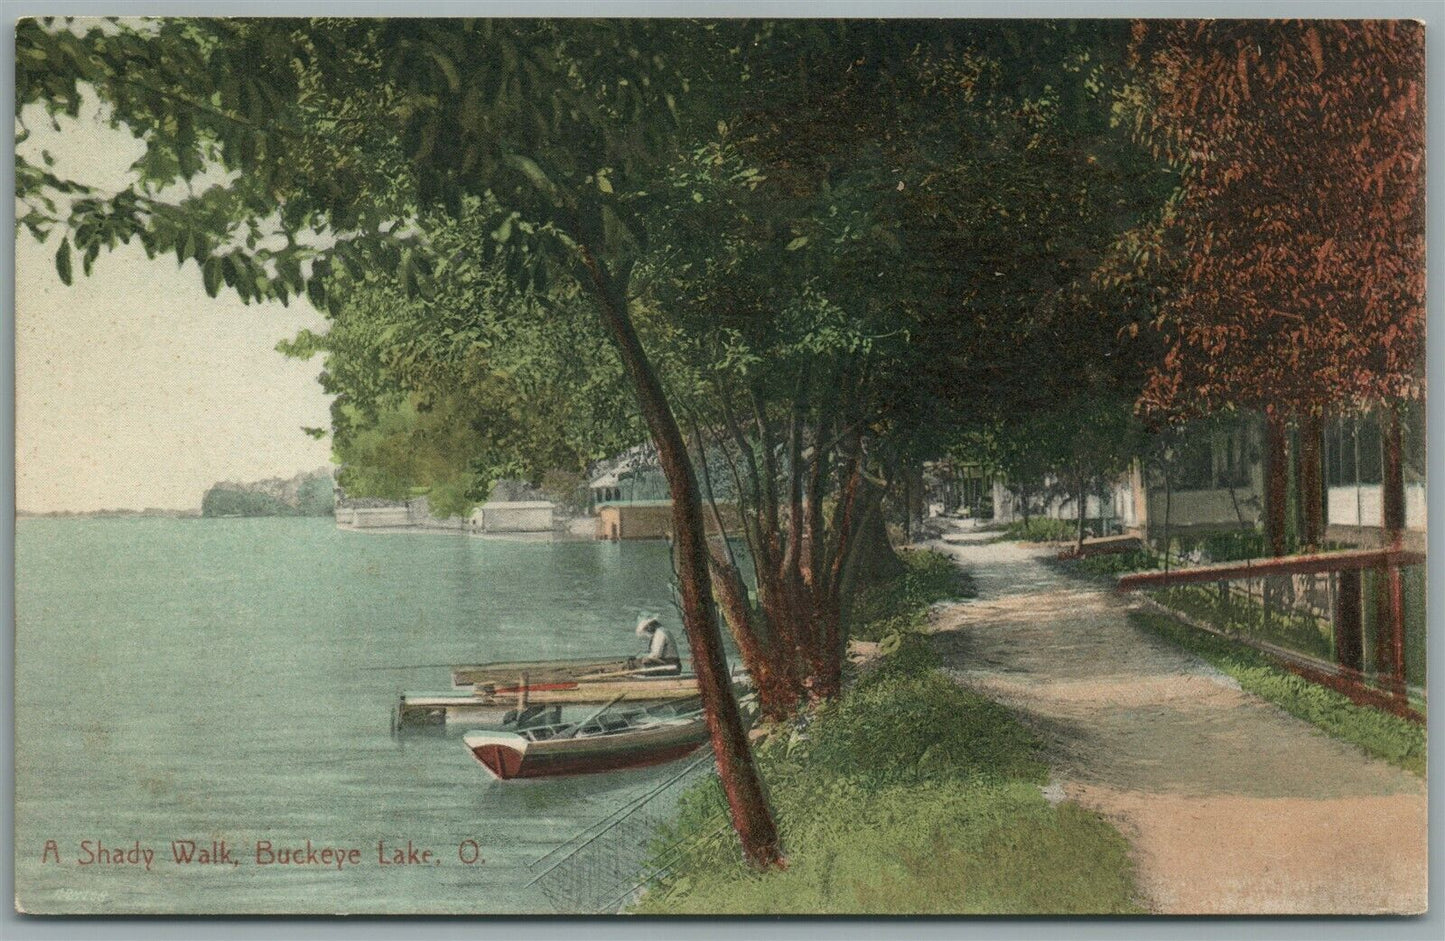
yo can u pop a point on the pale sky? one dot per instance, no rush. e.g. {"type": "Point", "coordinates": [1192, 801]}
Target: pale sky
{"type": "Point", "coordinates": [133, 388]}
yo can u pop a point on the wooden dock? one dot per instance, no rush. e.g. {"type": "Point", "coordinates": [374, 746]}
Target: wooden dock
{"type": "Point", "coordinates": [536, 671]}
{"type": "Point", "coordinates": [490, 704]}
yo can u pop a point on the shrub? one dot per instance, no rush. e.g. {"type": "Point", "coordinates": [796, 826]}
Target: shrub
{"type": "Point", "coordinates": [1043, 529]}
{"type": "Point", "coordinates": [900, 605]}
{"type": "Point", "coordinates": [1117, 563]}
{"type": "Point", "coordinates": [912, 727]}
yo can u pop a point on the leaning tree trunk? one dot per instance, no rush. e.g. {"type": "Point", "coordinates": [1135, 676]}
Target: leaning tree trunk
{"type": "Point", "coordinates": [767, 664]}
{"type": "Point", "coordinates": [748, 805]}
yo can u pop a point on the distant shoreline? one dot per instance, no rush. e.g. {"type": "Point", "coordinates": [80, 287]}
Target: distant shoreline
{"type": "Point", "coordinates": [158, 514]}
{"type": "Point", "coordinates": [107, 514]}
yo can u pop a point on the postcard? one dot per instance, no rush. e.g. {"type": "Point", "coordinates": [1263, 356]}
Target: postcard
{"type": "Point", "coordinates": [720, 466]}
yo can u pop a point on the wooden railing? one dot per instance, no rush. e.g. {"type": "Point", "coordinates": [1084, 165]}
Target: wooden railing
{"type": "Point", "coordinates": [1387, 687]}
{"type": "Point", "coordinates": [1318, 563]}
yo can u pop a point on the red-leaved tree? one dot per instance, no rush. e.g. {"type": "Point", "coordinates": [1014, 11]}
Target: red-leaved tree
{"type": "Point", "coordinates": [1297, 243]}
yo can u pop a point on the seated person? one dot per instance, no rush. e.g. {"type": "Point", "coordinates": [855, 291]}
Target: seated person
{"type": "Point", "coordinates": [661, 652]}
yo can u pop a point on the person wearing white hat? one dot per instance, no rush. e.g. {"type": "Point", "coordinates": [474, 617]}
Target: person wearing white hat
{"type": "Point", "coordinates": [661, 656]}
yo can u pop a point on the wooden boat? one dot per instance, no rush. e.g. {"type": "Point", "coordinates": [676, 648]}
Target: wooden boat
{"type": "Point", "coordinates": [537, 671]}
{"type": "Point", "coordinates": [490, 704]}
{"type": "Point", "coordinates": [448, 707]}
{"type": "Point", "coordinates": [607, 740]}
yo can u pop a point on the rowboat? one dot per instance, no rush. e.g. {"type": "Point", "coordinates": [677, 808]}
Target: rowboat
{"type": "Point", "coordinates": [538, 671]}
{"type": "Point", "coordinates": [607, 740]}
{"type": "Point", "coordinates": [490, 704]}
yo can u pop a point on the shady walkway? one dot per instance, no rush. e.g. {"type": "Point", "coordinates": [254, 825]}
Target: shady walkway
{"type": "Point", "coordinates": [1232, 806]}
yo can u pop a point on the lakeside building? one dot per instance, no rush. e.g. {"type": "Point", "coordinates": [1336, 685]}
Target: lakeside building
{"type": "Point", "coordinates": [652, 519]}
{"type": "Point", "coordinates": [1215, 479]}
{"type": "Point", "coordinates": [632, 475]}
{"type": "Point", "coordinates": [513, 516]}
{"type": "Point", "coordinates": [497, 516]}
{"type": "Point", "coordinates": [635, 476]}
{"type": "Point", "coordinates": [371, 513]}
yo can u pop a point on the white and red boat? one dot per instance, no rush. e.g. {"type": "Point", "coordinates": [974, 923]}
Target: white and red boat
{"type": "Point", "coordinates": [607, 740]}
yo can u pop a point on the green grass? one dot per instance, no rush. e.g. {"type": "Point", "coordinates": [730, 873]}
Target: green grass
{"type": "Point", "coordinates": [1116, 563]}
{"type": "Point", "coordinates": [1298, 632]}
{"type": "Point", "coordinates": [1398, 741]}
{"type": "Point", "coordinates": [900, 605]}
{"type": "Point", "coordinates": [911, 795]}
{"type": "Point", "coordinates": [1042, 529]}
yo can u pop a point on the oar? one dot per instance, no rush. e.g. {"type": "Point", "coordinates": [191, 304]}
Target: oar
{"type": "Point", "coordinates": [577, 727]}
{"type": "Point", "coordinates": [589, 677]}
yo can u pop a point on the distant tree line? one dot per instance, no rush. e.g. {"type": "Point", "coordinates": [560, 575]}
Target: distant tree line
{"type": "Point", "coordinates": [313, 495]}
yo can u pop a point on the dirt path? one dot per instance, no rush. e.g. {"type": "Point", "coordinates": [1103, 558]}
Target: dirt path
{"type": "Point", "coordinates": [1232, 806]}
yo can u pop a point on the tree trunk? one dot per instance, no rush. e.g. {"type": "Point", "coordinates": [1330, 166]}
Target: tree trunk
{"type": "Point", "coordinates": [1276, 485]}
{"type": "Point", "coordinates": [872, 557]}
{"type": "Point", "coordinates": [751, 816]}
{"type": "Point", "coordinates": [827, 609]}
{"type": "Point", "coordinates": [1392, 475]}
{"type": "Point", "coordinates": [1081, 505]}
{"type": "Point", "coordinates": [906, 484]}
{"type": "Point", "coordinates": [1311, 482]}
{"type": "Point", "coordinates": [777, 693]}
{"type": "Point", "coordinates": [1168, 512]}
{"type": "Point", "coordinates": [917, 496]}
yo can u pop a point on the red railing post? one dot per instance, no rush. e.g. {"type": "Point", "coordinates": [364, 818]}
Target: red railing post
{"type": "Point", "coordinates": [1349, 623]}
{"type": "Point", "coordinates": [1390, 630]}
{"type": "Point", "coordinates": [1396, 588]}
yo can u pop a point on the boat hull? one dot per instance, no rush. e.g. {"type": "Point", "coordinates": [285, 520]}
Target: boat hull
{"type": "Point", "coordinates": [509, 757]}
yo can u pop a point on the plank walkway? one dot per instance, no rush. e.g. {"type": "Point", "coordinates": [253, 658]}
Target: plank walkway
{"type": "Point", "coordinates": [1231, 805]}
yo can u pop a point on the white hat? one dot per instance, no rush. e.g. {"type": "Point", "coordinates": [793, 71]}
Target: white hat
{"type": "Point", "coordinates": [645, 622]}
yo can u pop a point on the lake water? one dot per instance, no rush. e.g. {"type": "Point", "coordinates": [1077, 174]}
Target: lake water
{"type": "Point", "coordinates": [233, 680]}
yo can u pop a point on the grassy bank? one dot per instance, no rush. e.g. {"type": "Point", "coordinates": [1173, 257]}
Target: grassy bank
{"type": "Point", "coordinates": [908, 795]}
{"type": "Point", "coordinates": [1378, 733]}
{"type": "Point", "coordinates": [900, 605]}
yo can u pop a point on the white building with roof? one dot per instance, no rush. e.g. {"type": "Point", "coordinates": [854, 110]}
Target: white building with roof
{"type": "Point", "coordinates": [514, 516]}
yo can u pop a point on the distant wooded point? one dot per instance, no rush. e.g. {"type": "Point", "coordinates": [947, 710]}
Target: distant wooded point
{"type": "Point", "coordinates": [306, 494]}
